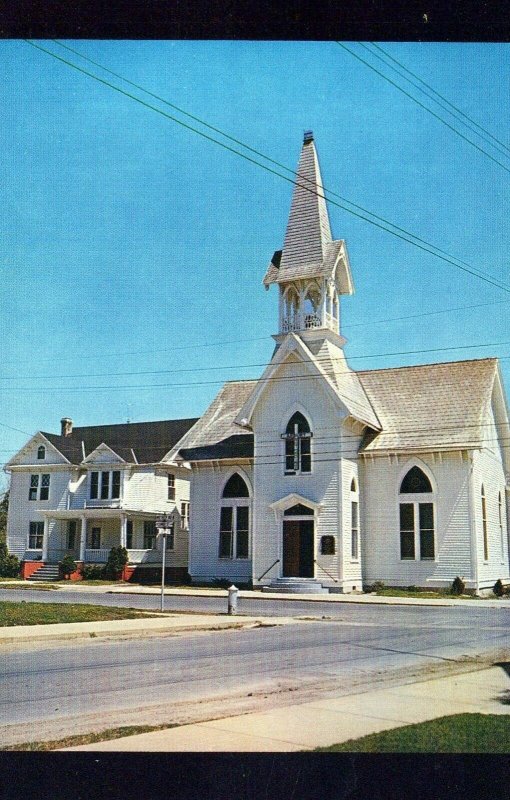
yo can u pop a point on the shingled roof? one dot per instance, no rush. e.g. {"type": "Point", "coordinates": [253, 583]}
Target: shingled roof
{"type": "Point", "coordinates": [215, 435]}
{"type": "Point", "coordinates": [309, 250]}
{"type": "Point", "coordinates": [432, 406]}
{"type": "Point", "coordinates": [149, 441]}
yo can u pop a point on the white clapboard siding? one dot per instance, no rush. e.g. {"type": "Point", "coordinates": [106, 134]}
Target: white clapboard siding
{"type": "Point", "coordinates": [205, 564]}
{"type": "Point", "coordinates": [488, 471]}
{"type": "Point", "coordinates": [22, 511]}
{"type": "Point", "coordinates": [381, 526]}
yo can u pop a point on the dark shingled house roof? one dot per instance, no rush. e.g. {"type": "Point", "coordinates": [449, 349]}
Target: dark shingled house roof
{"type": "Point", "coordinates": [150, 441]}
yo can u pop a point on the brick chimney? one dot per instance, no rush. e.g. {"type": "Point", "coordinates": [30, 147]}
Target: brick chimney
{"type": "Point", "coordinates": [66, 426]}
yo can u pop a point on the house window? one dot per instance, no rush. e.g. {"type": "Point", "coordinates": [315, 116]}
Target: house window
{"type": "Point", "coordinates": [297, 436]}
{"type": "Point", "coordinates": [417, 537]}
{"type": "Point", "coordinates": [105, 485]}
{"type": "Point", "coordinates": [39, 487]}
{"type": "Point", "coordinates": [235, 520]}
{"type": "Point", "coordinates": [170, 537]}
{"type": "Point", "coordinates": [94, 539]}
{"type": "Point", "coordinates": [149, 535]}
{"type": "Point", "coordinates": [35, 535]}
{"type": "Point", "coordinates": [129, 534]}
{"type": "Point", "coordinates": [484, 527]}
{"type": "Point", "coordinates": [71, 534]}
{"type": "Point", "coordinates": [185, 514]}
{"type": "Point", "coordinates": [354, 530]}
{"type": "Point", "coordinates": [171, 486]}
{"type": "Point", "coordinates": [41, 452]}
{"type": "Point", "coordinates": [327, 545]}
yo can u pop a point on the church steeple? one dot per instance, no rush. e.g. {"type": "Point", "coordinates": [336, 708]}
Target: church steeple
{"type": "Point", "coordinates": [312, 269]}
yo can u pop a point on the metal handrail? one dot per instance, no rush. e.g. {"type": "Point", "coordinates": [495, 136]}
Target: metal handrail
{"type": "Point", "coordinates": [325, 570]}
{"type": "Point", "coordinates": [269, 569]}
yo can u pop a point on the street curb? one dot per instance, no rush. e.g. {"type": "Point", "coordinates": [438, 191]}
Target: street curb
{"type": "Point", "coordinates": [92, 630]}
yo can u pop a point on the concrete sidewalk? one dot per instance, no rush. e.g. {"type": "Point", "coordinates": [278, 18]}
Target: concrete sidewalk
{"type": "Point", "coordinates": [324, 722]}
{"type": "Point", "coordinates": [370, 599]}
{"type": "Point", "coordinates": [175, 623]}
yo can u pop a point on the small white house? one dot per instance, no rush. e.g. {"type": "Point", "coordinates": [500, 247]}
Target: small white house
{"type": "Point", "coordinates": [323, 477]}
{"type": "Point", "coordinates": [93, 488]}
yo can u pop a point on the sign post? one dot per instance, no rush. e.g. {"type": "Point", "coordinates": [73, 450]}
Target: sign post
{"type": "Point", "coordinates": [163, 523]}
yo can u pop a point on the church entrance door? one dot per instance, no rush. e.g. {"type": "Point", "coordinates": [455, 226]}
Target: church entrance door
{"type": "Point", "coordinates": [298, 548]}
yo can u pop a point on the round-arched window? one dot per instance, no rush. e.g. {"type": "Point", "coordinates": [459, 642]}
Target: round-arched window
{"type": "Point", "coordinates": [41, 452]}
{"type": "Point", "coordinates": [298, 456]}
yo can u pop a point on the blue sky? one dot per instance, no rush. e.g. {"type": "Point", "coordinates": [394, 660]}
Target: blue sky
{"type": "Point", "coordinates": [131, 244]}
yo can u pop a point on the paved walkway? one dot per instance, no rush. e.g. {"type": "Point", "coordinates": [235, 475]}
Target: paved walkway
{"type": "Point", "coordinates": [325, 722]}
{"type": "Point", "coordinates": [116, 588]}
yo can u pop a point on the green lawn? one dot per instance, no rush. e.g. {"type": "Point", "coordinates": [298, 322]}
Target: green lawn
{"type": "Point", "coordinates": [424, 595]}
{"type": "Point", "coordinates": [460, 733]}
{"type": "Point", "coordinates": [47, 613]}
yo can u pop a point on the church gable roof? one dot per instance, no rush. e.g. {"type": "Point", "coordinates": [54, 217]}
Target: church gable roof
{"type": "Point", "coordinates": [215, 435]}
{"type": "Point", "coordinates": [429, 406]}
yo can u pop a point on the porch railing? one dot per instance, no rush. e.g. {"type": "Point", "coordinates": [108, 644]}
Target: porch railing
{"type": "Point", "coordinates": [99, 556]}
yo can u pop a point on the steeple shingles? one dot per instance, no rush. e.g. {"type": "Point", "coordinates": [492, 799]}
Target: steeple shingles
{"type": "Point", "coordinates": [308, 230]}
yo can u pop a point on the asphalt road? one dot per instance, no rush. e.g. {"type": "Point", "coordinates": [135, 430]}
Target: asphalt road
{"type": "Point", "coordinates": [356, 646]}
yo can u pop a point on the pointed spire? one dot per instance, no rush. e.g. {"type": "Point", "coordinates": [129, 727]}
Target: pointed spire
{"type": "Point", "coordinates": [308, 229]}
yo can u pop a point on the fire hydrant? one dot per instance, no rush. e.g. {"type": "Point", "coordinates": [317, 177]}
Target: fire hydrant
{"type": "Point", "coordinates": [232, 599]}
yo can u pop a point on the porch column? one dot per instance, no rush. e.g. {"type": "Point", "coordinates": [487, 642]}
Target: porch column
{"type": "Point", "coordinates": [45, 538]}
{"type": "Point", "coordinates": [83, 538]}
{"type": "Point", "coordinates": [123, 530]}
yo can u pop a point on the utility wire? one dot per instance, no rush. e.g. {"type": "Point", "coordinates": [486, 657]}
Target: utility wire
{"type": "Point", "coordinates": [448, 103]}
{"type": "Point", "coordinates": [250, 366]}
{"type": "Point", "coordinates": [419, 103]}
{"type": "Point", "coordinates": [470, 270]}
{"type": "Point", "coordinates": [218, 382]}
{"type": "Point", "coordinates": [256, 152]}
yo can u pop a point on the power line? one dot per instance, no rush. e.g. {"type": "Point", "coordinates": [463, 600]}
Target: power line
{"type": "Point", "coordinates": [414, 99]}
{"type": "Point", "coordinates": [218, 382]}
{"type": "Point", "coordinates": [449, 104]}
{"type": "Point", "coordinates": [256, 152]}
{"type": "Point", "coordinates": [250, 366]}
{"type": "Point", "coordinates": [470, 270]}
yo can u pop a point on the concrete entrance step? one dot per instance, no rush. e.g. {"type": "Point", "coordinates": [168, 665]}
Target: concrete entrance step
{"type": "Point", "coordinates": [48, 572]}
{"type": "Point", "coordinates": [295, 586]}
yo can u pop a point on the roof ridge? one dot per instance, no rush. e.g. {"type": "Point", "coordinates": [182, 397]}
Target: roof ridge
{"type": "Point", "coordinates": [429, 364]}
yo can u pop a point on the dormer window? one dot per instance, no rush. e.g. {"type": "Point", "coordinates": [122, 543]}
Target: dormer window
{"type": "Point", "coordinates": [297, 436]}
{"type": "Point", "coordinates": [41, 452]}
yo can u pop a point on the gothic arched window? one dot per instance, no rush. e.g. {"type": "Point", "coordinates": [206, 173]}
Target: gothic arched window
{"type": "Point", "coordinates": [415, 482]}
{"type": "Point", "coordinates": [417, 537]}
{"type": "Point", "coordinates": [235, 519]}
{"type": "Point", "coordinates": [298, 457]}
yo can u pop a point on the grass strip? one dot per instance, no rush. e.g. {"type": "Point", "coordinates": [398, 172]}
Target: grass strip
{"type": "Point", "coordinates": [459, 733]}
{"type": "Point", "coordinates": [22, 613]}
{"type": "Point", "coordinates": [88, 738]}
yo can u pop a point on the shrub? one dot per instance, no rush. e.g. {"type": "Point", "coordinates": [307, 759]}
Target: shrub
{"type": "Point", "coordinates": [9, 564]}
{"type": "Point", "coordinates": [499, 589]}
{"type": "Point", "coordinates": [458, 586]}
{"type": "Point", "coordinates": [117, 560]}
{"type": "Point", "coordinates": [377, 586]}
{"type": "Point", "coordinates": [9, 567]}
{"type": "Point", "coordinates": [93, 572]}
{"type": "Point", "coordinates": [67, 566]}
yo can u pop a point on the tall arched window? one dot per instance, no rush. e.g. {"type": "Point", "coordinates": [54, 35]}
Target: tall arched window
{"type": "Point", "coordinates": [298, 456]}
{"type": "Point", "coordinates": [41, 452]}
{"type": "Point", "coordinates": [235, 519]}
{"type": "Point", "coordinates": [354, 521]}
{"type": "Point", "coordinates": [484, 526]}
{"type": "Point", "coordinates": [417, 537]}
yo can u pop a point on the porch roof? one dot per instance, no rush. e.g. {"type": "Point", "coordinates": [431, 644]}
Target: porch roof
{"type": "Point", "coordinates": [99, 513]}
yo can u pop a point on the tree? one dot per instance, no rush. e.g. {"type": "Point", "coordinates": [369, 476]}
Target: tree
{"type": "Point", "coordinates": [4, 507]}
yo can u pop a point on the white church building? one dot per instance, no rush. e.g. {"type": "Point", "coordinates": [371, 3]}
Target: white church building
{"type": "Point", "coordinates": [331, 479]}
